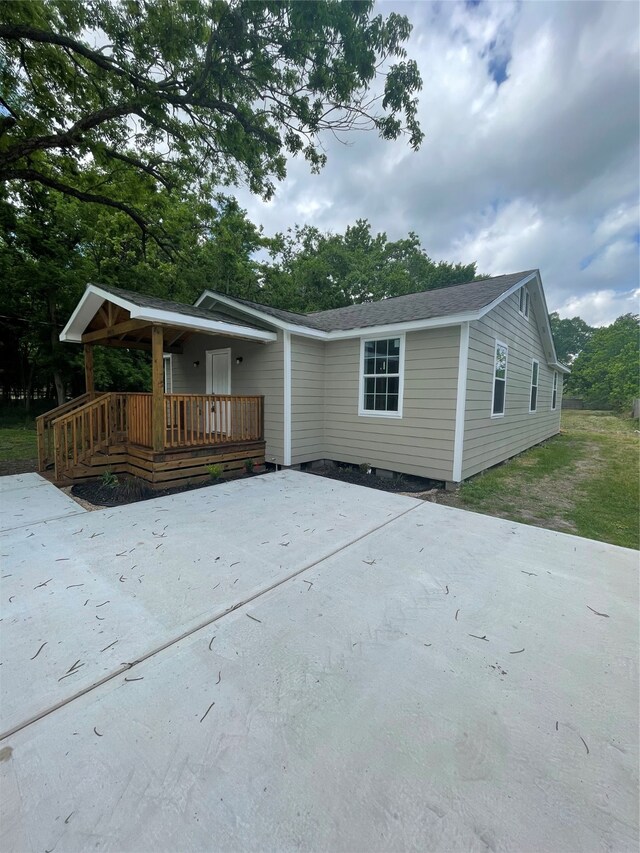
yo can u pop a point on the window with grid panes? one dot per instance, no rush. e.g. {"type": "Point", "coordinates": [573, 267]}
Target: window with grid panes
{"type": "Point", "coordinates": [535, 371]}
{"type": "Point", "coordinates": [381, 375]}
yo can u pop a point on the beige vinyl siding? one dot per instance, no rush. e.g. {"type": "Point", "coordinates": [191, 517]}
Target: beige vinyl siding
{"type": "Point", "coordinates": [307, 399]}
{"type": "Point", "coordinates": [421, 442]}
{"type": "Point", "coordinates": [488, 440]}
{"type": "Point", "coordinates": [261, 372]}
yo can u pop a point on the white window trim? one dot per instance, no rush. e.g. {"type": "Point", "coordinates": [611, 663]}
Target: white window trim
{"type": "Point", "coordinates": [554, 391]}
{"type": "Point", "coordinates": [365, 413]}
{"type": "Point", "coordinates": [167, 360]}
{"type": "Point", "coordinates": [531, 386]}
{"type": "Point", "coordinates": [527, 302]}
{"type": "Point", "coordinates": [493, 379]}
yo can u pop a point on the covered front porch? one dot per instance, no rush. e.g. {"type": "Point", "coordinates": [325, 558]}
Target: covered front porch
{"type": "Point", "coordinates": [164, 438]}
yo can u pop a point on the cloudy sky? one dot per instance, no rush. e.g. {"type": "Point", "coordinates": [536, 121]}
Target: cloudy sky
{"type": "Point", "coordinates": [530, 158]}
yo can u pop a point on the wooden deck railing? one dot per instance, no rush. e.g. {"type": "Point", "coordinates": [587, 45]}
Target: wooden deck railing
{"type": "Point", "coordinates": [138, 419]}
{"type": "Point", "coordinates": [202, 419]}
{"type": "Point", "coordinates": [82, 432]}
{"type": "Point", "coordinates": [190, 420]}
{"type": "Point", "coordinates": [44, 429]}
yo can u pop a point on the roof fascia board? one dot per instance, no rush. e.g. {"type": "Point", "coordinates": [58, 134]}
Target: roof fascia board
{"type": "Point", "coordinates": [261, 315]}
{"type": "Point", "coordinates": [542, 322]}
{"type": "Point", "coordinates": [94, 296]}
{"type": "Point", "coordinates": [395, 328]}
{"type": "Point", "coordinates": [409, 326]}
{"type": "Point", "coordinates": [89, 303]}
{"type": "Point", "coordinates": [506, 294]}
{"type": "Point", "coordinates": [171, 318]}
{"type": "Point", "coordinates": [546, 322]}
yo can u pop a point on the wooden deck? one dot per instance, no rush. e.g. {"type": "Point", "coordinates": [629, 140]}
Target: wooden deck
{"type": "Point", "coordinates": [115, 431]}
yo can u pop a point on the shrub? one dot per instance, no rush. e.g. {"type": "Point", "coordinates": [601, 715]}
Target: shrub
{"type": "Point", "coordinates": [109, 479]}
{"type": "Point", "coordinates": [214, 471]}
{"type": "Point", "coordinates": [133, 488]}
{"type": "Point", "coordinates": [249, 465]}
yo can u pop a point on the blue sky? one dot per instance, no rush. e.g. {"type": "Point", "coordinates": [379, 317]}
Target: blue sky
{"type": "Point", "coordinates": [530, 158]}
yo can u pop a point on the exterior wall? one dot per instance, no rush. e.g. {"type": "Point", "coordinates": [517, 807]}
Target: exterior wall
{"type": "Point", "coordinates": [307, 399]}
{"type": "Point", "coordinates": [488, 440]}
{"type": "Point", "coordinates": [421, 442]}
{"type": "Point", "coordinates": [261, 372]}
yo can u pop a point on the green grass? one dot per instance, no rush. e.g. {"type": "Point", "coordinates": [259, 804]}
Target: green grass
{"type": "Point", "coordinates": [606, 507]}
{"type": "Point", "coordinates": [604, 422]}
{"type": "Point", "coordinates": [583, 481]}
{"type": "Point", "coordinates": [17, 443]}
{"type": "Point", "coordinates": [18, 431]}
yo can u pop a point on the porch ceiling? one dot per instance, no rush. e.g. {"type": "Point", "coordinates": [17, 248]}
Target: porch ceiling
{"type": "Point", "coordinates": [111, 319]}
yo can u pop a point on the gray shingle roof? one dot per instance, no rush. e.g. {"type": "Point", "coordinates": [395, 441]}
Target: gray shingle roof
{"type": "Point", "coordinates": [425, 305]}
{"type": "Point", "coordinates": [154, 302]}
{"type": "Point", "coordinates": [280, 313]}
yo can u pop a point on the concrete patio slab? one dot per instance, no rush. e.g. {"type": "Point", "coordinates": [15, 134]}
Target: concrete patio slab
{"type": "Point", "coordinates": [29, 498]}
{"type": "Point", "coordinates": [447, 681]}
{"type": "Point", "coordinates": [107, 588]}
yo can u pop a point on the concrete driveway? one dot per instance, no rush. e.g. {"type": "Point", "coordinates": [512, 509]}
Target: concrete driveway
{"type": "Point", "coordinates": [289, 662]}
{"type": "Point", "coordinates": [28, 498]}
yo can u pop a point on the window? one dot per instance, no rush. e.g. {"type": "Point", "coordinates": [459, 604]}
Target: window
{"type": "Point", "coordinates": [533, 401]}
{"type": "Point", "coordinates": [167, 364]}
{"type": "Point", "coordinates": [524, 302]}
{"type": "Point", "coordinates": [499, 380]}
{"type": "Point", "coordinates": [554, 391]}
{"type": "Point", "coordinates": [381, 377]}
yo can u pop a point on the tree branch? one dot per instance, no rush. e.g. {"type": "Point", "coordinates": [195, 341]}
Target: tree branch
{"type": "Point", "coordinates": [139, 164]}
{"type": "Point", "coordinates": [68, 138]}
{"type": "Point", "coordinates": [24, 31]}
{"type": "Point", "coordinates": [33, 176]}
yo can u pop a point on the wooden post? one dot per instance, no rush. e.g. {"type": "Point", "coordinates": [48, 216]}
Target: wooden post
{"type": "Point", "coordinates": [157, 389]}
{"type": "Point", "coordinates": [88, 371]}
{"type": "Point", "coordinates": [42, 453]}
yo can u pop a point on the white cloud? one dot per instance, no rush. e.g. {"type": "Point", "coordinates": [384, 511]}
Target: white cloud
{"type": "Point", "coordinates": [601, 307]}
{"type": "Point", "coordinates": [541, 171]}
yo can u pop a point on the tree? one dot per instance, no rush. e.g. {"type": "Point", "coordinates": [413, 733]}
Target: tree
{"type": "Point", "coordinates": [605, 373]}
{"type": "Point", "coordinates": [313, 271]}
{"type": "Point", "coordinates": [569, 336]}
{"type": "Point", "coordinates": [191, 95]}
{"type": "Point", "coordinates": [51, 245]}
{"type": "Point", "coordinates": [41, 274]}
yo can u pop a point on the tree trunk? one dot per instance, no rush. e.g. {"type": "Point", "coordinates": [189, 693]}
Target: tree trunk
{"type": "Point", "coordinates": [28, 390]}
{"type": "Point", "coordinates": [57, 376]}
{"type": "Point", "coordinates": [57, 379]}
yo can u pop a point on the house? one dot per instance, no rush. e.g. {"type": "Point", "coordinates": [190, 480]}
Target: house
{"type": "Point", "coordinates": [441, 384]}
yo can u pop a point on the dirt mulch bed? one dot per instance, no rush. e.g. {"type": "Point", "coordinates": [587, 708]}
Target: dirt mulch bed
{"type": "Point", "coordinates": [403, 484]}
{"type": "Point", "coordinates": [18, 466]}
{"type": "Point", "coordinates": [131, 490]}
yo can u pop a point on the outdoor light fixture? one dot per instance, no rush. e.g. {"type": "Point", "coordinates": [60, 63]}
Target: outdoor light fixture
{"type": "Point", "coordinates": [239, 360]}
{"type": "Point", "coordinates": [196, 364]}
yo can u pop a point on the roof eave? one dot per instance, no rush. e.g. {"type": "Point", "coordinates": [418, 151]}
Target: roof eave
{"type": "Point", "coordinates": [94, 296]}
{"type": "Point", "coordinates": [408, 326]}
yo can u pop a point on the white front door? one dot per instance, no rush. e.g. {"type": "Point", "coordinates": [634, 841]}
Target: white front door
{"type": "Point", "coordinates": [218, 379]}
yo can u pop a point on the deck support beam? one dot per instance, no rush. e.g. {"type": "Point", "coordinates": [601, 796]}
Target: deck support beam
{"type": "Point", "coordinates": [88, 371]}
{"type": "Point", "coordinates": [157, 388]}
